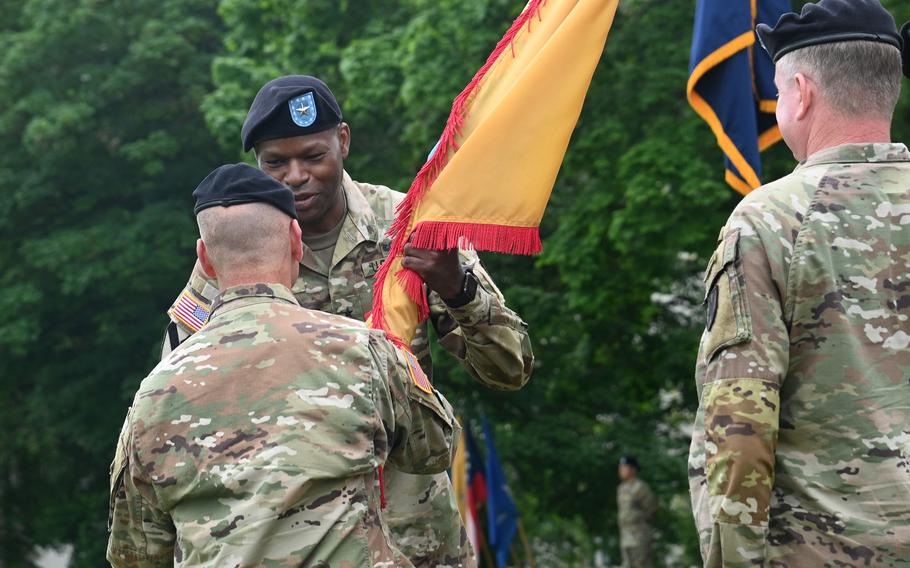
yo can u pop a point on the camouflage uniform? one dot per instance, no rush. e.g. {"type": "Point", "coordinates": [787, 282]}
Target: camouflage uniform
{"type": "Point", "coordinates": [801, 452]}
{"type": "Point", "coordinates": [637, 507]}
{"type": "Point", "coordinates": [257, 442]}
{"type": "Point", "coordinates": [489, 339]}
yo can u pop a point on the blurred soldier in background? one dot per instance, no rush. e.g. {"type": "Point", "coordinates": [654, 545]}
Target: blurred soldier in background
{"type": "Point", "coordinates": [260, 441]}
{"type": "Point", "coordinates": [296, 130]}
{"type": "Point", "coordinates": [637, 507]}
{"type": "Point", "coordinates": [800, 456]}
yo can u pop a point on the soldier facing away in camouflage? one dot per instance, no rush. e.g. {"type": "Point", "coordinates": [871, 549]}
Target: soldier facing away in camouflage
{"type": "Point", "coordinates": [801, 451]}
{"type": "Point", "coordinates": [637, 507]}
{"type": "Point", "coordinates": [295, 127]}
{"type": "Point", "coordinates": [259, 440]}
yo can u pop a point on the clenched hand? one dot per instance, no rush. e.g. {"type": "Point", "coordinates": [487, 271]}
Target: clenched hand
{"type": "Point", "coordinates": [440, 269]}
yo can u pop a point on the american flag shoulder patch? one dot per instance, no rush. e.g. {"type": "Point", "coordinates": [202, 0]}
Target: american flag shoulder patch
{"type": "Point", "coordinates": [190, 311]}
{"type": "Point", "coordinates": [418, 377]}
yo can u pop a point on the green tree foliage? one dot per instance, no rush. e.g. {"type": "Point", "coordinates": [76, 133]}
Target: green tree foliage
{"type": "Point", "coordinates": [111, 112]}
{"type": "Point", "coordinates": [101, 143]}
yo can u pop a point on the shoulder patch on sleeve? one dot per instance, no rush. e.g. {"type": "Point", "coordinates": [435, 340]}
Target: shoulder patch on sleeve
{"type": "Point", "coordinates": [728, 319]}
{"type": "Point", "coordinates": [190, 310]}
{"type": "Point", "coordinates": [418, 377]}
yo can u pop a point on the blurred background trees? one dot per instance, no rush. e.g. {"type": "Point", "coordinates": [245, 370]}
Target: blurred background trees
{"type": "Point", "coordinates": [112, 111]}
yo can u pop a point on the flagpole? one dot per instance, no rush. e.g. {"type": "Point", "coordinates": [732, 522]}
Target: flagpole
{"type": "Point", "coordinates": [524, 541]}
{"type": "Point", "coordinates": [515, 558]}
{"type": "Point", "coordinates": [485, 551]}
{"type": "Point", "coordinates": [484, 548]}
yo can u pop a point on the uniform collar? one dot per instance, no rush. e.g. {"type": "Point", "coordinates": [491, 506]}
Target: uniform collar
{"type": "Point", "coordinates": [359, 225]}
{"type": "Point", "coordinates": [859, 153]}
{"type": "Point", "coordinates": [237, 296]}
{"type": "Point", "coordinates": [360, 214]}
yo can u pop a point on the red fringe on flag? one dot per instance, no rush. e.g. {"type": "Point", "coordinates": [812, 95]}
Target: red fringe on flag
{"type": "Point", "coordinates": [500, 239]}
{"type": "Point", "coordinates": [441, 235]}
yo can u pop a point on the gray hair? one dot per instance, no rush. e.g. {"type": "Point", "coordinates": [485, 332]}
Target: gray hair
{"type": "Point", "coordinates": [856, 78]}
{"type": "Point", "coordinates": [245, 239]}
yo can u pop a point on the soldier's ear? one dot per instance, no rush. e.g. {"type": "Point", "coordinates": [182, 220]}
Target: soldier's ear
{"type": "Point", "coordinates": [806, 91]}
{"type": "Point", "coordinates": [204, 261]}
{"type": "Point", "coordinates": [296, 241]}
{"type": "Point", "coordinates": [344, 137]}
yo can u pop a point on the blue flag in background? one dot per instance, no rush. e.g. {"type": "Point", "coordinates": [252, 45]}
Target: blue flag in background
{"type": "Point", "coordinates": [502, 515]}
{"type": "Point", "coordinates": [731, 82]}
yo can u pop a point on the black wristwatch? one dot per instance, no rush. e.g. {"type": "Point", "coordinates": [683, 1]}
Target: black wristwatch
{"type": "Point", "coordinates": [468, 291]}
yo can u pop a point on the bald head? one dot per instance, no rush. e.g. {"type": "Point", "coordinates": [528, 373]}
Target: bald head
{"type": "Point", "coordinates": [247, 244]}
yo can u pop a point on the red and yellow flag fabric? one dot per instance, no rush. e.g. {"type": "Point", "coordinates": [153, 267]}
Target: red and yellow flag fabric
{"type": "Point", "coordinates": [489, 180]}
{"type": "Point", "coordinates": [462, 490]}
{"type": "Point", "coordinates": [470, 485]}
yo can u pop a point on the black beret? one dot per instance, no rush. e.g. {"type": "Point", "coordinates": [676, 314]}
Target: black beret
{"type": "Point", "coordinates": [234, 184]}
{"type": "Point", "coordinates": [293, 105]}
{"type": "Point", "coordinates": [630, 461]}
{"type": "Point", "coordinates": [829, 21]}
{"type": "Point", "coordinates": [905, 36]}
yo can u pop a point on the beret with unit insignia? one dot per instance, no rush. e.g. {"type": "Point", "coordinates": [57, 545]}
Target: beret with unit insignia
{"type": "Point", "coordinates": [293, 105]}
{"type": "Point", "coordinates": [830, 21]}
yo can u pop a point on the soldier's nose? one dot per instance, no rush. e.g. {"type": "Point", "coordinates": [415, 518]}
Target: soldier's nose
{"type": "Point", "coordinates": [297, 176]}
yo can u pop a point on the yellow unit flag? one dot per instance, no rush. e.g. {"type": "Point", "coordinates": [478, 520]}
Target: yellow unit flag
{"type": "Point", "coordinates": [488, 181]}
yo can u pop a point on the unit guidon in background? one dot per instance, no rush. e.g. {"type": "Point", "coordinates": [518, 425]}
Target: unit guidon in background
{"type": "Point", "coordinates": [488, 181]}
{"type": "Point", "coordinates": [731, 83]}
{"type": "Point", "coordinates": [502, 514]}
{"type": "Point", "coordinates": [470, 486]}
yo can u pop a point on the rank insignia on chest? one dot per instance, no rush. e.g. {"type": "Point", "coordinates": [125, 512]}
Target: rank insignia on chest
{"type": "Point", "coordinates": [189, 311]}
{"type": "Point", "coordinates": [303, 110]}
{"type": "Point", "coordinates": [418, 377]}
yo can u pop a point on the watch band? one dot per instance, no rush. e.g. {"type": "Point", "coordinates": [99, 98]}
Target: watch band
{"type": "Point", "coordinates": [468, 291]}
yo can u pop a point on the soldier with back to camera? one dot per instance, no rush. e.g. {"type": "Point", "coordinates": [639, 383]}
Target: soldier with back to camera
{"type": "Point", "coordinates": [800, 455]}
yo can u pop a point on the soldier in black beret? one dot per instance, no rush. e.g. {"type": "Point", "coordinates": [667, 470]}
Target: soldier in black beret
{"type": "Point", "coordinates": [831, 37]}
{"type": "Point", "coordinates": [802, 374]}
{"type": "Point", "coordinates": [296, 129]}
{"type": "Point", "coordinates": [241, 212]}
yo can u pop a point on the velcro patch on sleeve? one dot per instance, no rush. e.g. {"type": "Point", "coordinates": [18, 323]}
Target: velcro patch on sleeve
{"type": "Point", "coordinates": [418, 377]}
{"type": "Point", "coordinates": [190, 311]}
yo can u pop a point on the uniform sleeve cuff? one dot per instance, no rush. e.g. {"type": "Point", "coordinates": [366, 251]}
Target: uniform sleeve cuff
{"type": "Point", "coordinates": [474, 311]}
